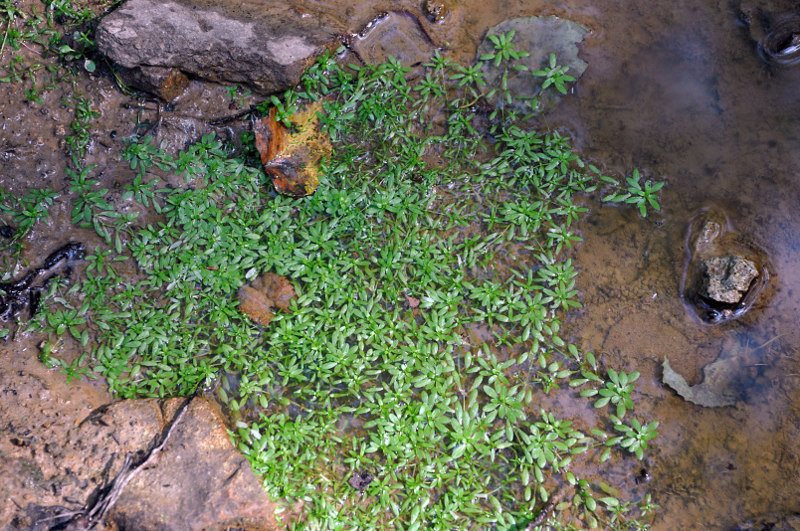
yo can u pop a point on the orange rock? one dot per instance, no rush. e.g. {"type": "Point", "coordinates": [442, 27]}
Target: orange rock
{"type": "Point", "coordinates": [265, 294]}
{"type": "Point", "coordinates": [291, 157]}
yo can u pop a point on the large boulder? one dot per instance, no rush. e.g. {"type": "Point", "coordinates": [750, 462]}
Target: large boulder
{"type": "Point", "coordinates": [263, 45]}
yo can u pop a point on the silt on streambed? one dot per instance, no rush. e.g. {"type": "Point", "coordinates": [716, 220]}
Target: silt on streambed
{"type": "Point", "coordinates": [682, 92]}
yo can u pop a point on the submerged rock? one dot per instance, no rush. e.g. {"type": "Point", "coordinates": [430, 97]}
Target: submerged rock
{"type": "Point", "coordinates": [725, 271]}
{"type": "Point", "coordinates": [265, 46]}
{"type": "Point", "coordinates": [399, 34]}
{"type": "Point", "coordinates": [539, 36]}
{"type": "Point", "coordinates": [435, 10]}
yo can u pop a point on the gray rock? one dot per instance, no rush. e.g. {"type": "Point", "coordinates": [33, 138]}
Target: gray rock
{"type": "Point", "coordinates": [727, 278]}
{"type": "Point", "coordinates": [265, 46]}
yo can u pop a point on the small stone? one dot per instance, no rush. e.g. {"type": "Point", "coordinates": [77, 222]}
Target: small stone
{"type": "Point", "coordinates": [361, 480]}
{"type": "Point", "coordinates": [435, 10]}
{"type": "Point", "coordinates": [727, 278]}
{"type": "Point", "coordinates": [264, 295]}
{"type": "Point", "coordinates": [164, 82]}
{"type": "Point", "coordinates": [708, 233]}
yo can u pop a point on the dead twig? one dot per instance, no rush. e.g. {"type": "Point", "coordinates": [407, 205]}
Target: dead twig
{"type": "Point", "coordinates": [91, 516]}
{"type": "Point", "coordinates": [544, 514]}
{"type": "Point", "coordinates": [128, 472]}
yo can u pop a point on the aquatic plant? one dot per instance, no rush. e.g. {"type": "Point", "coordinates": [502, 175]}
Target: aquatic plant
{"type": "Point", "coordinates": [432, 271]}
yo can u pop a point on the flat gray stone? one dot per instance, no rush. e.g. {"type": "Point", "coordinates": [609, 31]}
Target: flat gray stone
{"type": "Point", "coordinates": [263, 45]}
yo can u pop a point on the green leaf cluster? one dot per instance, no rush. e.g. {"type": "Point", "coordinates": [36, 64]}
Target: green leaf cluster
{"type": "Point", "coordinates": [432, 271]}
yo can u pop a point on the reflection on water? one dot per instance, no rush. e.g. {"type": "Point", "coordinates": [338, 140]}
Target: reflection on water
{"type": "Point", "coordinates": [684, 95]}
{"type": "Point", "coordinates": [678, 89]}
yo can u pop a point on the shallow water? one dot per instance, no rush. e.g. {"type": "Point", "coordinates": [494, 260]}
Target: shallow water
{"type": "Point", "coordinates": [679, 91]}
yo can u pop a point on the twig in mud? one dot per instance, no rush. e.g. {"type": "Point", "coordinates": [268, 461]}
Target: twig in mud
{"type": "Point", "coordinates": [128, 472]}
{"type": "Point", "coordinates": [546, 510]}
{"type": "Point", "coordinates": [90, 517]}
{"type": "Point", "coordinates": [227, 119]}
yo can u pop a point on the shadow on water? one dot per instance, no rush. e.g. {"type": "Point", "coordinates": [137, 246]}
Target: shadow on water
{"type": "Point", "coordinates": [681, 92]}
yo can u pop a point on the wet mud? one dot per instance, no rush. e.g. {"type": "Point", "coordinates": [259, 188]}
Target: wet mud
{"type": "Point", "coordinates": [681, 90]}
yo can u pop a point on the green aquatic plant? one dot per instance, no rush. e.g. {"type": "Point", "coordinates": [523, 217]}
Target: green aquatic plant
{"type": "Point", "coordinates": [617, 391]}
{"type": "Point", "coordinates": [18, 216]}
{"type": "Point", "coordinates": [635, 436]}
{"type": "Point", "coordinates": [555, 75]}
{"type": "Point", "coordinates": [432, 271]}
{"type": "Point", "coordinates": [636, 194]}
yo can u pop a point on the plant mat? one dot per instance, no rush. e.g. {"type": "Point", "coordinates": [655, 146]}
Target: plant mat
{"type": "Point", "coordinates": [432, 273]}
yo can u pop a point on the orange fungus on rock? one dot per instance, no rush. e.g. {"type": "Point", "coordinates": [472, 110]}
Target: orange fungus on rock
{"type": "Point", "coordinates": [291, 157]}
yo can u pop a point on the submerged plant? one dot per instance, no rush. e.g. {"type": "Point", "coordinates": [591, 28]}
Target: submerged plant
{"type": "Point", "coordinates": [636, 194]}
{"type": "Point", "coordinates": [555, 75]}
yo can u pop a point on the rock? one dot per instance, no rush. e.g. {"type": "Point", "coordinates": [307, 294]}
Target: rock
{"type": "Point", "coordinates": [265, 294]}
{"type": "Point", "coordinates": [265, 46]}
{"type": "Point", "coordinates": [539, 36]}
{"type": "Point", "coordinates": [292, 157]}
{"type": "Point", "coordinates": [164, 82]}
{"type": "Point", "coordinates": [199, 481]}
{"type": "Point", "coordinates": [727, 278]}
{"type": "Point", "coordinates": [360, 480]}
{"type": "Point", "coordinates": [725, 270]}
{"type": "Point", "coordinates": [436, 11]}
{"type": "Point", "coordinates": [399, 34]}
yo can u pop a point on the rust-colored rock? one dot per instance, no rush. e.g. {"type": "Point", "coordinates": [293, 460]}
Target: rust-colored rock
{"type": "Point", "coordinates": [165, 82]}
{"type": "Point", "coordinates": [265, 294]}
{"type": "Point", "coordinates": [291, 158]}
